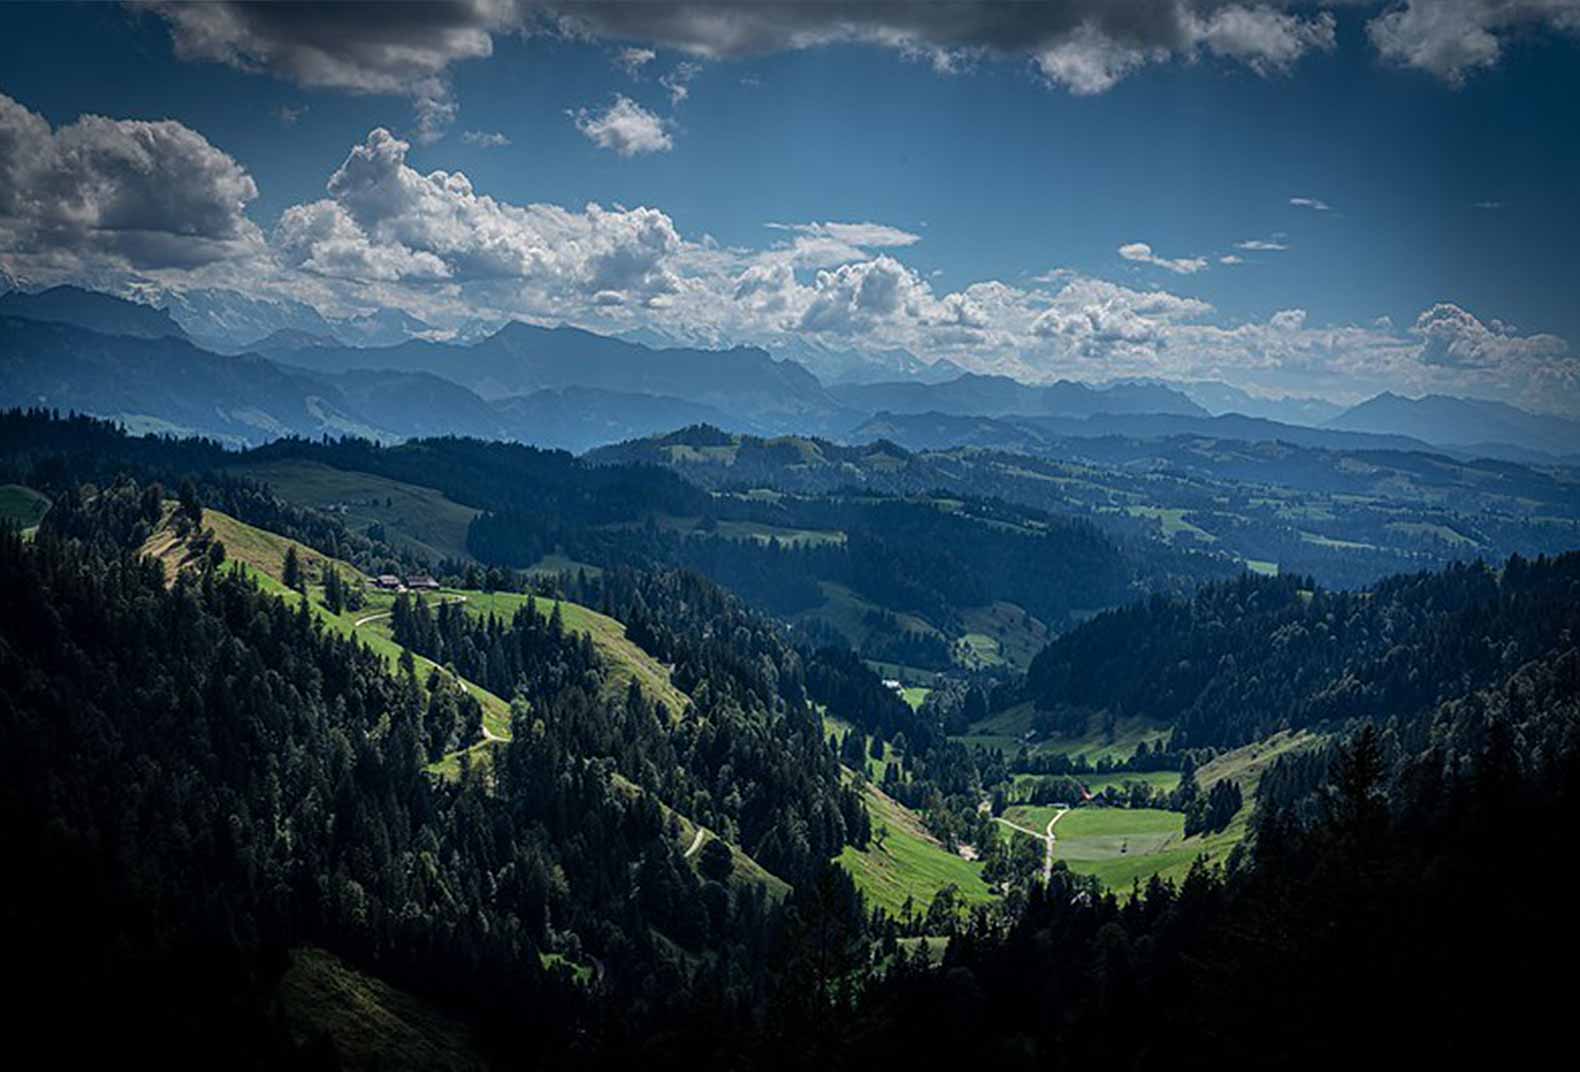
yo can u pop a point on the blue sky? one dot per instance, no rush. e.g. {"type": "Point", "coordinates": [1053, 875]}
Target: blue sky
{"type": "Point", "coordinates": [1001, 170]}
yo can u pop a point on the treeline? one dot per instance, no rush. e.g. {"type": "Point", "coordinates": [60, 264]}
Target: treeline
{"type": "Point", "coordinates": [1243, 659]}
{"type": "Point", "coordinates": [61, 455]}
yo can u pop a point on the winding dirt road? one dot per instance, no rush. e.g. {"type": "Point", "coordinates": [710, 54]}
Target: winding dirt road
{"type": "Point", "coordinates": [1047, 838]}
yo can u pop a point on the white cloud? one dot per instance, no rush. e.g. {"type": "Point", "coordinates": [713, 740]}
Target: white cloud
{"type": "Point", "coordinates": [383, 221]}
{"type": "Point", "coordinates": [827, 244]}
{"type": "Point", "coordinates": [1489, 205]}
{"type": "Point", "coordinates": [1313, 203]}
{"type": "Point", "coordinates": [678, 81]}
{"type": "Point", "coordinates": [1265, 40]}
{"type": "Point", "coordinates": [1261, 245]}
{"type": "Point", "coordinates": [853, 297]}
{"type": "Point", "coordinates": [1453, 39]}
{"type": "Point", "coordinates": [117, 194]}
{"type": "Point", "coordinates": [632, 60]}
{"type": "Point", "coordinates": [1087, 62]}
{"type": "Point", "coordinates": [485, 139]}
{"type": "Point", "coordinates": [1142, 253]}
{"type": "Point", "coordinates": [1456, 339]}
{"type": "Point", "coordinates": [625, 127]}
{"type": "Point", "coordinates": [1230, 258]}
{"type": "Point", "coordinates": [288, 116]}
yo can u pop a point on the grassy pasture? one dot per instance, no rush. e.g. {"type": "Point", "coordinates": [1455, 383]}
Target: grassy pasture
{"type": "Point", "coordinates": [417, 517]}
{"type": "Point", "coordinates": [910, 862]}
{"type": "Point", "coordinates": [22, 506]}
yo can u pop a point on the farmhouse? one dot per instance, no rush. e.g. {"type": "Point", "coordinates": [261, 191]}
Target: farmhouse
{"type": "Point", "coordinates": [422, 582]}
{"type": "Point", "coordinates": [389, 582]}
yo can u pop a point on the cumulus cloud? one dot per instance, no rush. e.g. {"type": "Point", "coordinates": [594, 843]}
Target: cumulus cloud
{"type": "Point", "coordinates": [485, 139]}
{"type": "Point", "coordinates": [1230, 258]}
{"type": "Point", "coordinates": [384, 221]}
{"type": "Point", "coordinates": [1261, 245]}
{"type": "Point", "coordinates": [625, 127]}
{"type": "Point", "coordinates": [1453, 39]}
{"type": "Point", "coordinates": [117, 193]}
{"type": "Point", "coordinates": [853, 297]}
{"type": "Point", "coordinates": [1265, 40]}
{"type": "Point", "coordinates": [1456, 339]}
{"type": "Point", "coordinates": [1313, 203]}
{"type": "Point", "coordinates": [1142, 253]}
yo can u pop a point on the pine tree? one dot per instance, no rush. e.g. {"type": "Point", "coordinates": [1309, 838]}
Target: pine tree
{"type": "Point", "coordinates": [291, 571]}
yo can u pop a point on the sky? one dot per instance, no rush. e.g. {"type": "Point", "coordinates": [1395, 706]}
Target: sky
{"type": "Point", "coordinates": [1315, 199]}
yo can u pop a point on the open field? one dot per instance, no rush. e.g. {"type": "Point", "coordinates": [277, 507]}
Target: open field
{"type": "Point", "coordinates": [1016, 636]}
{"type": "Point", "coordinates": [910, 862]}
{"type": "Point", "coordinates": [22, 506]}
{"type": "Point", "coordinates": [1122, 846]}
{"type": "Point", "coordinates": [914, 695]}
{"type": "Point", "coordinates": [416, 517]}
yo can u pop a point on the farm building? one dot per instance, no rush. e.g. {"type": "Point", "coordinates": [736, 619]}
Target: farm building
{"type": "Point", "coordinates": [422, 582]}
{"type": "Point", "coordinates": [388, 581]}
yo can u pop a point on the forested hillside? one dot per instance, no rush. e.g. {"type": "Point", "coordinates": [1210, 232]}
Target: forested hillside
{"type": "Point", "coordinates": [1242, 659]}
{"type": "Point", "coordinates": [700, 829]}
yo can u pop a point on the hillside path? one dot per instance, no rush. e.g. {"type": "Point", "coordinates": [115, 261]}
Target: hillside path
{"type": "Point", "coordinates": [360, 622]}
{"type": "Point", "coordinates": [696, 843]}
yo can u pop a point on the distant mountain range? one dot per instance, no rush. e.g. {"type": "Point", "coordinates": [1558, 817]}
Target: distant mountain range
{"type": "Point", "coordinates": [937, 431]}
{"type": "Point", "coordinates": [757, 392]}
{"type": "Point", "coordinates": [999, 396]}
{"type": "Point", "coordinates": [90, 309]}
{"type": "Point", "coordinates": [1219, 398]}
{"type": "Point", "coordinates": [1468, 423]}
{"type": "Point", "coordinates": [568, 388]}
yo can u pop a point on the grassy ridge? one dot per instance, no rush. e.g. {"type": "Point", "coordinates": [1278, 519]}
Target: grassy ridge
{"type": "Point", "coordinates": [910, 862]}
{"type": "Point", "coordinates": [626, 661]}
{"type": "Point", "coordinates": [261, 555]}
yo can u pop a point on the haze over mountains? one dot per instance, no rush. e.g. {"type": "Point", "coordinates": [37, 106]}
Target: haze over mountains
{"type": "Point", "coordinates": [388, 375]}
